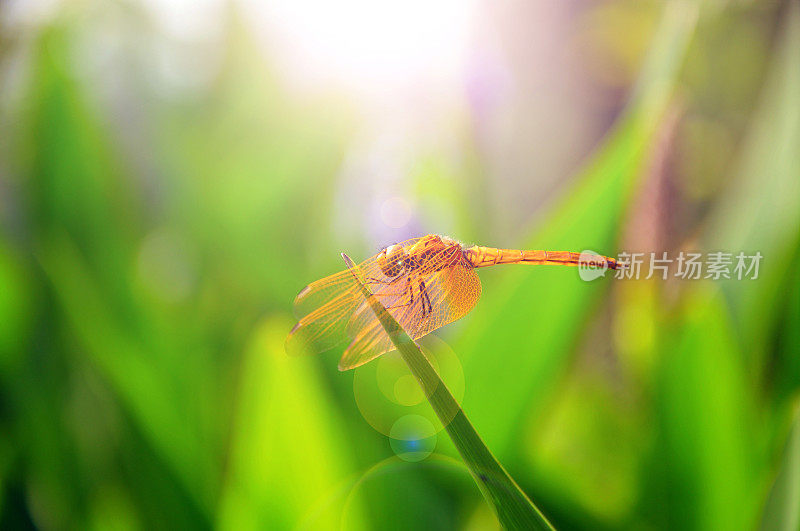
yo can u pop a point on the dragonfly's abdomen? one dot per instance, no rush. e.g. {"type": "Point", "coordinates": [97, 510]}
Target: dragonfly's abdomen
{"type": "Point", "coordinates": [480, 256]}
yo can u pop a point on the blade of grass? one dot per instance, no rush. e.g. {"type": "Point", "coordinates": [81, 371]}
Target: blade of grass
{"type": "Point", "coordinates": [760, 210]}
{"type": "Point", "coordinates": [588, 217]}
{"type": "Point", "coordinates": [781, 511]}
{"type": "Point", "coordinates": [513, 507]}
{"type": "Point", "coordinates": [706, 451]}
{"type": "Point", "coordinates": [285, 457]}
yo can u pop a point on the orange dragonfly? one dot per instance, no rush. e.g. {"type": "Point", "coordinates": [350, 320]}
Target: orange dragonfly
{"type": "Point", "coordinates": [424, 283]}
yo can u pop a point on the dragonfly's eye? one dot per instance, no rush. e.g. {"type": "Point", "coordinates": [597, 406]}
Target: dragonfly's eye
{"type": "Point", "coordinates": [391, 260]}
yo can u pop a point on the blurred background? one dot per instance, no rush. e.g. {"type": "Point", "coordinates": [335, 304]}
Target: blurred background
{"type": "Point", "coordinates": [172, 173]}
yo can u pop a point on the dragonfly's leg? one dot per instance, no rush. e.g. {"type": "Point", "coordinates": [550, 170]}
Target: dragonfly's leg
{"type": "Point", "coordinates": [372, 280]}
{"type": "Point", "coordinates": [408, 291]}
{"type": "Point", "coordinates": [421, 286]}
{"type": "Point", "coordinates": [398, 306]}
{"type": "Point", "coordinates": [423, 293]}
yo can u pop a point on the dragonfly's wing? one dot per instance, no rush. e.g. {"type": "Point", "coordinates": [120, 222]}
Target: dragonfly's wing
{"type": "Point", "coordinates": [323, 292]}
{"type": "Point", "coordinates": [325, 307]}
{"type": "Point", "coordinates": [452, 291]}
{"type": "Point", "coordinates": [369, 339]}
{"type": "Point", "coordinates": [371, 342]}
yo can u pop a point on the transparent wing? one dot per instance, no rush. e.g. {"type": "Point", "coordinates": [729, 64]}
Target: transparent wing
{"type": "Point", "coordinates": [323, 311]}
{"type": "Point", "coordinates": [325, 307]}
{"type": "Point", "coordinates": [434, 296]}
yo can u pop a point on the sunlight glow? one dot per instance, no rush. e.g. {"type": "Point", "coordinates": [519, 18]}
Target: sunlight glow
{"type": "Point", "coordinates": [367, 45]}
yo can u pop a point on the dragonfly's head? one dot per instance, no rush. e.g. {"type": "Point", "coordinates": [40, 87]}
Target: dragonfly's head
{"type": "Point", "coordinates": [390, 260]}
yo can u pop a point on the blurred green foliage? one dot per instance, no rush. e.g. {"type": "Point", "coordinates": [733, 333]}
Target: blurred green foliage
{"type": "Point", "coordinates": [151, 247]}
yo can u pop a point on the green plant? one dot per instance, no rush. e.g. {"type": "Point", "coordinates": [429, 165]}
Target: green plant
{"type": "Point", "coordinates": [513, 507]}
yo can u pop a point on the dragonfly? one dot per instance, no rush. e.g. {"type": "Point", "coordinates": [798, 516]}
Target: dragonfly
{"type": "Point", "coordinates": [425, 283]}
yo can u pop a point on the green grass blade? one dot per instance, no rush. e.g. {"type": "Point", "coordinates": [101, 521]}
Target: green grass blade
{"type": "Point", "coordinates": [760, 210]}
{"type": "Point", "coordinates": [588, 218]}
{"type": "Point", "coordinates": [513, 507]}
{"type": "Point", "coordinates": [782, 511]}
{"type": "Point", "coordinates": [706, 445]}
{"type": "Point", "coordinates": [279, 468]}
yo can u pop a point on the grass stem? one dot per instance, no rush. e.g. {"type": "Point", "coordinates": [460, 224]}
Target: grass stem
{"type": "Point", "coordinates": [513, 507]}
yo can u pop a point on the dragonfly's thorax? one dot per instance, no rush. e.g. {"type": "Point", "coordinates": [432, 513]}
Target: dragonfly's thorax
{"type": "Point", "coordinates": [431, 253]}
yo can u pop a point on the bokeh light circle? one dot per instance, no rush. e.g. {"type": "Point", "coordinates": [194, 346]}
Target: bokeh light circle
{"type": "Point", "coordinates": [413, 438]}
{"type": "Point", "coordinates": [386, 391]}
{"type": "Point", "coordinates": [396, 212]}
{"type": "Point", "coordinates": [407, 391]}
{"type": "Point", "coordinates": [400, 477]}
